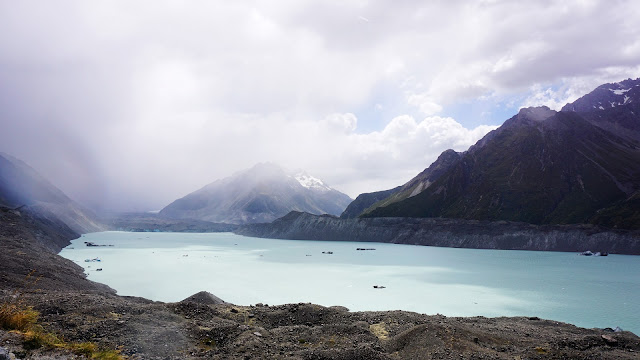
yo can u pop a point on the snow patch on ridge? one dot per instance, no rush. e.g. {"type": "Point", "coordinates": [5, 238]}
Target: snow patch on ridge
{"type": "Point", "coordinates": [619, 92]}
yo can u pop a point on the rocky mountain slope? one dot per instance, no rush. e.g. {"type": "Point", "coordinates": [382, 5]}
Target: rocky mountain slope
{"type": "Point", "coordinates": [442, 232]}
{"type": "Point", "coordinates": [22, 186]}
{"type": "Point", "coordinates": [578, 165]}
{"type": "Point", "coordinates": [260, 194]}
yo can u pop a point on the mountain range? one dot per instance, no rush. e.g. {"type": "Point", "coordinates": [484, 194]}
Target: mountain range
{"type": "Point", "coordinates": [578, 165]}
{"type": "Point", "coordinates": [260, 194]}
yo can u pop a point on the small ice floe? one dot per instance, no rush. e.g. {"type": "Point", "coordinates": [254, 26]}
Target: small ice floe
{"type": "Point", "coordinates": [90, 244]}
{"type": "Point", "coordinates": [327, 252]}
{"type": "Point", "coordinates": [589, 253]}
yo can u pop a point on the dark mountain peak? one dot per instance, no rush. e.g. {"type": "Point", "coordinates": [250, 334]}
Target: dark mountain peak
{"type": "Point", "coordinates": [371, 201]}
{"type": "Point", "coordinates": [442, 163]}
{"type": "Point", "coordinates": [613, 107]}
{"type": "Point", "coordinates": [526, 117]}
{"type": "Point", "coordinates": [535, 114]}
{"type": "Point", "coordinates": [449, 153]}
{"type": "Point", "coordinates": [607, 96]}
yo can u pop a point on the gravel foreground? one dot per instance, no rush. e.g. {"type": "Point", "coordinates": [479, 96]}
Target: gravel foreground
{"type": "Point", "coordinates": [79, 310]}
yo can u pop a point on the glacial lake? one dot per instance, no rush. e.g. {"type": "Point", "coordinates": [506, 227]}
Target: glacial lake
{"type": "Point", "coordinates": [585, 291]}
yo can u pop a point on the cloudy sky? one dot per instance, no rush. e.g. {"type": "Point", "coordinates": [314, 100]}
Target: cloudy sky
{"type": "Point", "coordinates": [128, 105]}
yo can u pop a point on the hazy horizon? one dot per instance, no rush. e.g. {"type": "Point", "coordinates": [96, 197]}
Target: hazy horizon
{"type": "Point", "coordinates": [128, 106]}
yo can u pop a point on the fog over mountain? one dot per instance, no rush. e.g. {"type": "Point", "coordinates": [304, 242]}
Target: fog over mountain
{"type": "Point", "coordinates": [262, 193]}
{"type": "Point", "coordinates": [128, 106]}
{"type": "Point", "coordinates": [21, 187]}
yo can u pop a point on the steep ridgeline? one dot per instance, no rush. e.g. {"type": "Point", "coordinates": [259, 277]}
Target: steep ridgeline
{"type": "Point", "coordinates": [21, 186]}
{"type": "Point", "coordinates": [260, 194]}
{"type": "Point", "coordinates": [544, 167]}
{"type": "Point", "coordinates": [365, 203]}
{"type": "Point", "coordinates": [459, 233]}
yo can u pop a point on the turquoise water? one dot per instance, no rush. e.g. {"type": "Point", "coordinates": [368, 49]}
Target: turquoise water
{"type": "Point", "coordinates": [585, 291]}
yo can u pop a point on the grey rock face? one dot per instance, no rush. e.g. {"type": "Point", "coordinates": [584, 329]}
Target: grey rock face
{"type": "Point", "coordinates": [449, 233]}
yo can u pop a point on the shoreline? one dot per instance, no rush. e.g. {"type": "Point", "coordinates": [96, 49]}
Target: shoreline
{"type": "Point", "coordinates": [354, 288]}
{"type": "Point", "coordinates": [80, 310]}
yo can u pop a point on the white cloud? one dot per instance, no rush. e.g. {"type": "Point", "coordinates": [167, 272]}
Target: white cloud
{"type": "Point", "coordinates": [192, 151]}
{"type": "Point", "coordinates": [569, 89]}
{"type": "Point", "coordinates": [342, 123]}
{"type": "Point", "coordinates": [425, 103]}
{"type": "Point", "coordinates": [143, 101]}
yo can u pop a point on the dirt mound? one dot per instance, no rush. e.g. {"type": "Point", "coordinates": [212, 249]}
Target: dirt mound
{"type": "Point", "coordinates": [204, 297]}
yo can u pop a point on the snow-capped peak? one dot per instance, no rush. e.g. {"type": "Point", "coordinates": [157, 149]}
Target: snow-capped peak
{"type": "Point", "coordinates": [311, 182]}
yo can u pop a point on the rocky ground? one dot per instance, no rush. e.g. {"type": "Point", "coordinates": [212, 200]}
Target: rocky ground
{"type": "Point", "coordinates": [202, 326]}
